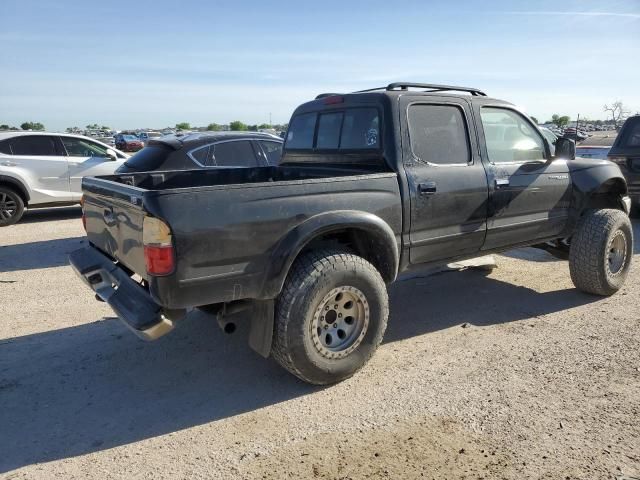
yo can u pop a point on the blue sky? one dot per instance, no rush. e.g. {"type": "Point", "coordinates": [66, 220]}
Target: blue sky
{"type": "Point", "coordinates": [154, 63]}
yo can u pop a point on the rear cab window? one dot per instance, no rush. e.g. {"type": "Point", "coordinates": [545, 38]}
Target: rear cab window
{"type": "Point", "coordinates": [353, 128]}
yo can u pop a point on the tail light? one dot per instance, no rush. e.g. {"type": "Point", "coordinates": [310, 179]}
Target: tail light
{"type": "Point", "coordinates": [84, 217]}
{"type": "Point", "coordinates": [158, 247]}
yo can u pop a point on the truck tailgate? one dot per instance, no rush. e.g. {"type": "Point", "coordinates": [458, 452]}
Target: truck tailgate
{"type": "Point", "coordinates": [114, 218]}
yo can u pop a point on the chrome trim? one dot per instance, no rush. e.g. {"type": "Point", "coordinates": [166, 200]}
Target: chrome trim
{"type": "Point", "coordinates": [626, 204]}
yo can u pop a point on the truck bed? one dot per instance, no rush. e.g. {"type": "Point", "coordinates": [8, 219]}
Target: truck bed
{"type": "Point", "coordinates": [227, 224]}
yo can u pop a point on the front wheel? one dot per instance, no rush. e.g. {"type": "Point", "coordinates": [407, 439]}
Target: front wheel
{"type": "Point", "coordinates": [330, 317]}
{"type": "Point", "coordinates": [601, 251]}
{"type": "Point", "coordinates": [11, 207]}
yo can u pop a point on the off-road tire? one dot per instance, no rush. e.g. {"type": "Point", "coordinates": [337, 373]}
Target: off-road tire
{"type": "Point", "coordinates": [9, 195]}
{"type": "Point", "coordinates": [312, 277]}
{"type": "Point", "coordinates": [589, 256]}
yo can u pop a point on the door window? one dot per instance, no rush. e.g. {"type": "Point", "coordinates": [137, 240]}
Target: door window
{"type": "Point", "coordinates": [33, 145]}
{"type": "Point", "coordinates": [273, 151]}
{"type": "Point", "coordinates": [438, 134]}
{"type": "Point", "coordinates": [509, 137]}
{"type": "Point", "coordinates": [79, 147]}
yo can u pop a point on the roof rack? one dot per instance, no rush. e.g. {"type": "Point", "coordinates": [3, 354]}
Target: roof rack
{"type": "Point", "coordinates": [431, 87]}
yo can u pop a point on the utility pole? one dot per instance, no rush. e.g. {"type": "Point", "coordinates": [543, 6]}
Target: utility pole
{"type": "Point", "coordinates": [270, 119]}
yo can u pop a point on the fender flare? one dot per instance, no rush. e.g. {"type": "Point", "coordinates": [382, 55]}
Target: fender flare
{"type": "Point", "coordinates": [290, 246]}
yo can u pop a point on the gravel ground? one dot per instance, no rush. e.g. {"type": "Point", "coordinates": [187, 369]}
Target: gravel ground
{"type": "Point", "coordinates": [541, 382]}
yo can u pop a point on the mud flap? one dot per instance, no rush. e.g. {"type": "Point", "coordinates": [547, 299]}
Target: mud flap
{"type": "Point", "coordinates": [261, 332]}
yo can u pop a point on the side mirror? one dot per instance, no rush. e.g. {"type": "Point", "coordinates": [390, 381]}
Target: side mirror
{"type": "Point", "coordinates": [565, 148]}
{"type": "Point", "coordinates": [111, 155]}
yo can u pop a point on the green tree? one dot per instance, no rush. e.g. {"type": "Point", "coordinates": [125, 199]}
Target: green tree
{"type": "Point", "coordinates": [32, 126]}
{"type": "Point", "coordinates": [534, 119]}
{"type": "Point", "coordinates": [237, 125]}
{"type": "Point", "coordinates": [252, 128]}
{"type": "Point", "coordinates": [264, 126]}
{"type": "Point", "coordinates": [183, 126]}
{"type": "Point", "coordinates": [4, 126]}
{"type": "Point", "coordinates": [214, 127]}
{"type": "Point", "coordinates": [560, 121]}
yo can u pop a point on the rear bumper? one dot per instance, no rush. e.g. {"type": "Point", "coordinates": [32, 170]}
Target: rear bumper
{"type": "Point", "coordinates": [130, 301]}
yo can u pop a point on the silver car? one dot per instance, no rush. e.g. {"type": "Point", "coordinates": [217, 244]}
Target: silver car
{"type": "Point", "coordinates": [39, 169]}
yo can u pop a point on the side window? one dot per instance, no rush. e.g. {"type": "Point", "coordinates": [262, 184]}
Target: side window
{"type": "Point", "coordinates": [273, 150]}
{"type": "Point", "coordinates": [201, 156]}
{"type": "Point", "coordinates": [438, 134]}
{"type": "Point", "coordinates": [360, 129]}
{"type": "Point", "coordinates": [632, 135]}
{"type": "Point", "coordinates": [233, 154]}
{"type": "Point", "coordinates": [35, 145]}
{"type": "Point", "coordinates": [78, 147]}
{"type": "Point", "coordinates": [301, 130]}
{"type": "Point", "coordinates": [329, 130]}
{"type": "Point", "coordinates": [509, 137]}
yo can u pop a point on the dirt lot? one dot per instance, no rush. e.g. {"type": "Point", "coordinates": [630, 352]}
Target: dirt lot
{"type": "Point", "coordinates": [543, 382]}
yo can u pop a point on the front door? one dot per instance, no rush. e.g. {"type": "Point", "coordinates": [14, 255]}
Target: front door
{"type": "Point", "coordinates": [86, 159]}
{"type": "Point", "coordinates": [446, 179]}
{"type": "Point", "coordinates": [530, 192]}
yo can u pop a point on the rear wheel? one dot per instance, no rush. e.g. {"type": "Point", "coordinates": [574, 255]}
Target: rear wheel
{"type": "Point", "coordinates": [11, 206]}
{"type": "Point", "coordinates": [601, 251]}
{"type": "Point", "coordinates": [330, 317]}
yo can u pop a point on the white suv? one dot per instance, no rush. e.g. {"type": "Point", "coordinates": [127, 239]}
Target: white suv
{"type": "Point", "coordinates": [41, 169]}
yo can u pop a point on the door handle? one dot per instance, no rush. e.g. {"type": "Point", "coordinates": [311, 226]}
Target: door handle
{"type": "Point", "coordinates": [427, 188]}
{"type": "Point", "coordinates": [502, 182]}
{"type": "Point", "coordinates": [108, 217]}
{"type": "Point", "coordinates": [8, 164]}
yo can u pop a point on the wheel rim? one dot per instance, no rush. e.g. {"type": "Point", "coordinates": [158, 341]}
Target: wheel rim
{"type": "Point", "coordinates": [340, 322]}
{"type": "Point", "coordinates": [617, 253]}
{"type": "Point", "coordinates": [8, 206]}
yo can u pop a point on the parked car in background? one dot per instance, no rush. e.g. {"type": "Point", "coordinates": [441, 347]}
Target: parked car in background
{"type": "Point", "coordinates": [128, 143]}
{"type": "Point", "coordinates": [39, 169]}
{"type": "Point", "coordinates": [146, 136]}
{"type": "Point", "coordinates": [626, 153]}
{"type": "Point", "coordinates": [206, 150]}
{"type": "Point", "coordinates": [599, 152]}
{"type": "Point", "coordinates": [575, 135]}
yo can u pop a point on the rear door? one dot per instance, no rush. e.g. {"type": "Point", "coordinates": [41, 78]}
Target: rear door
{"type": "Point", "coordinates": [447, 181]}
{"type": "Point", "coordinates": [40, 159]}
{"type": "Point", "coordinates": [86, 159]}
{"type": "Point", "coordinates": [530, 192]}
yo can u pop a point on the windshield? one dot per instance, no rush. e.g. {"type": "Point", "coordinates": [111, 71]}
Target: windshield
{"type": "Point", "coordinates": [130, 137]}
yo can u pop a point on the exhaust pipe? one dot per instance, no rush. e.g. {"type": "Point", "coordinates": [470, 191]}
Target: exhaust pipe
{"type": "Point", "coordinates": [229, 326]}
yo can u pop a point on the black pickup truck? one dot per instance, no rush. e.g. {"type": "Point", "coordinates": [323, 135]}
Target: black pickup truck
{"type": "Point", "coordinates": [371, 184]}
